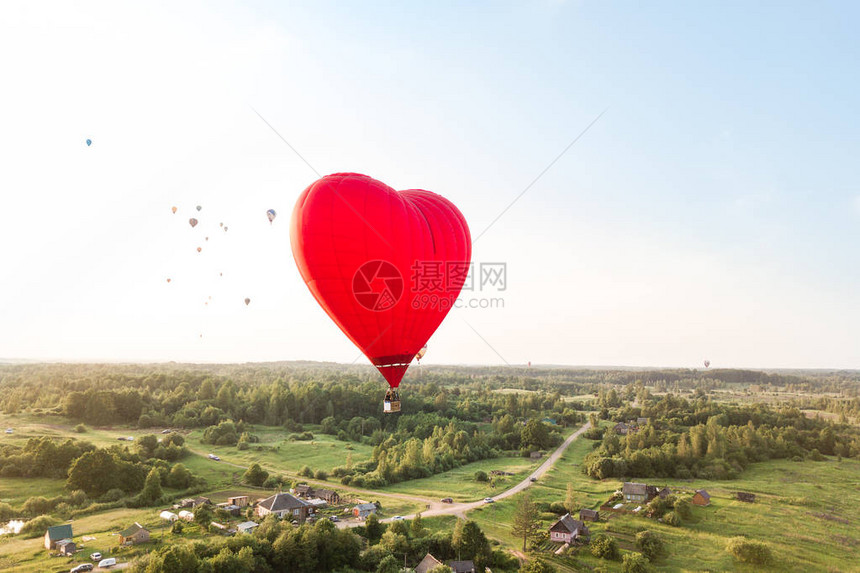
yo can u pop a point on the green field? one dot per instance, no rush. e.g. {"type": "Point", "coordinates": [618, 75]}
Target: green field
{"type": "Point", "coordinates": [805, 512]}
{"type": "Point", "coordinates": [460, 483]}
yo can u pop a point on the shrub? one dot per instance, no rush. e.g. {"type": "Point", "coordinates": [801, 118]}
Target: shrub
{"type": "Point", "coordinates": [749, 551]}
{"type": "Point", "coordinates": [605, 547]}
{"type": "Point", "coordinates": [38, 505]}
{"type": "Point", "coordinates": [650, 544]}
{"type": "Point", "coordinates": [634, 563]}
{"type": "Point", "coordinates": [683, 509]}
{"type": "Point", "coordinates": [306, 471]}
{"type": "Point", "coordinates": [321, 475]}
{"type": "Point", "coordinates": [37, 526]}
{"type": "Point", "coordinates": [481, 475]}
{"type": "Point", "coordinates": [672, 519]}
{"type": "Point", "coordinates": [80, 428]}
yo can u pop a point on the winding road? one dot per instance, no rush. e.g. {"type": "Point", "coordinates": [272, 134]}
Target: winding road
{"type": "Point", "coordinates": [435, 507]}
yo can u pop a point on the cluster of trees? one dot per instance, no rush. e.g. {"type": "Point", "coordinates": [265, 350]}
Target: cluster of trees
{"type": "Point", "coordinates": [709, 440]}
{"type": "Point", "coordinates": [278, 546]}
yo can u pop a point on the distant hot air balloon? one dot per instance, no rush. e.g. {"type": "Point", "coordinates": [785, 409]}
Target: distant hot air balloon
{"type": "Point", "coordinates": [356, 241]}
{"type": "Point", "coordinates": [225, 228]}
{"type": "Point", "coordinates": [89, 142]}
{"type": "Point", "coordinates": [173, 209]}
{"type": "Point", "coordinates": [193, 222]}
{"type": "Point", "coordinates": [707, 363]}
{"type": "Point", "coordinates": [199, 208]}
{"type": "Point", "coordinates": [421, 353]}
{"type": "Point", "coordinates": [207, 238]}
{"type": "Point", "coordinates": [271, 215]}
{"type": "Point", "coordinates": [220, 224]}
{"type": "Point", "coordinates": [247, 301]}
{"type": "Point", "coordinates": [199, 249]}
{"type": "Point", "coordinates": [168, 280]}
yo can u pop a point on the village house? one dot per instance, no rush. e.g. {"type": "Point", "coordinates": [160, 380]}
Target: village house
{"type": "Point", "coordinates": [567, 530]}
{"type": "Point", "coordinates": [240, 500]}
{"type": "Point", "coordinates": [589, 515]}
{"type": "Point", "coordinates": [134, 535]}
{"type": "Point", "coordinates": [462, 566]}
{"type": "Point", "coordinates": [362, 510]}
{"type": "Point", "coordinates": [701, 497]}
{"type": "Point", "coordinates": [635, 492]}
{"type": "Point", "coordinates": [57, 533]}
{"type": "Point", "coordinates": [622, 429]}
{"type": "Point", "coordinates": [304, 490]}
{"type": "Point", "coordinates": [427, 564]}
{"type": "Point", "coordinates": [284, 505]}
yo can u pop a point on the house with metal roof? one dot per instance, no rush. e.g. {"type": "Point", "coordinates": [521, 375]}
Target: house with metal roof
{"type": "Point", "coordinates": [567, 529]}
{"type": "Point", "coordinates": [57, 533]}
{"type": "Point", "coordinates": [284, 505]}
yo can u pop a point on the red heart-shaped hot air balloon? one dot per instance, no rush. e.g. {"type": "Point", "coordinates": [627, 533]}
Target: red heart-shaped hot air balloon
{"type": "Point", "coordinates": [386, 265]}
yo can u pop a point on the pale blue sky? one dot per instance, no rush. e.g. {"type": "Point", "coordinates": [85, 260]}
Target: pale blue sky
{"type": "Point", "coordinates": [712, 212]}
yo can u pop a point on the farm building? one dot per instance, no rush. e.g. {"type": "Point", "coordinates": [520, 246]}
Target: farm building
{"type": "Point", "coordinates": [66, 547]}
{"type": "Point", "coordinates": [567, 529]}
{"type": "Point", "coordinates": [304, 490]}
{"type": "Point", "coordinates": [57, 533]}
{"type": "Point", "coordinates": [329, 495]}
{"type": "Point", "coordinates": [247, 526]}
{"type": "Point", "coordinates": [589, 515]}
{"type": "Point", "coordinates": [746, 497]}
{"type": "Point", "coordinates": [701, 498]}
{"type": "Point", "coordinates": [462, 566]}
{"type": "Point", "coordinates": [635, 491]}
{"type": "Point", "coordinates": [622, 429]}
{"type": "Point", "coordinates": [186, 515]}
{"type": "Point", "coordinates": [536, 455]}
{"type": "Point", "coordinates": [316, 503]}
{"type": "Point", "coordinates": [168, 515]}
{"type": "Point", "coordinates": [284, 505]}
{"type": "Point", "coordinates": [362, 510]}
{"type": "Point", "coordinates": [240, 500]}
{"type": "Point", "coordinates": [427, 564]}
{"type": "Point", "coordinates": [133, 535]}
{"type": "Point", "coordinates": [230, 508]}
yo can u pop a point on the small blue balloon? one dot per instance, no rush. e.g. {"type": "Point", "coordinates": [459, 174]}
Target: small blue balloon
{"type": "Point", "coordinates": [89, 142]}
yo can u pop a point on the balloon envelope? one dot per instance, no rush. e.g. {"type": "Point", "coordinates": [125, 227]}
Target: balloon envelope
{"type": "Point", "coordinates": [199, 208]}
{"type": "Point", "coordinates": [173, 209]}
{"type": "Point", "coordinates": [89, 142]}
{"type": "Point", "coordinates": [357, 243]}
{"type": "Point", "coordinates": [421, 352]}
{"type": "Point", "coordinates": [271, 215]}
{"type": "Point", "coordinates": [247, 301]}
{"type": "Point", "coordinates": [707, 363]}
{"type": "Point", "coordinates": [192, 222]}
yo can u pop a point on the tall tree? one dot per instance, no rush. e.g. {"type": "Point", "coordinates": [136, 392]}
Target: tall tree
{"type": "Point", "coordinates": [526, 520]}
{"type": "Point", "coordinates": [570, 500]}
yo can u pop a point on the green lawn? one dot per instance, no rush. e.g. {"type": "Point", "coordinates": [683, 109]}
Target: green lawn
{"type": "Point", "coordinates": [15, 491]}
{"type": "Point", "coordinates": [460, 483]}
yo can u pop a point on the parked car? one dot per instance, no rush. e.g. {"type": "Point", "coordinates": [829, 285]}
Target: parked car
{"type": "Point", "coordinates": [109, 562]}
{"type": "Point", "coordinates": [447, 500]}
{"type": "Point", "coordinates": [214, 457]}
{"type": "Point", "coordinates": [82, 567]}
{"type": "Point", "coordinates": [95, 556]}
{"type": "Point", "coordinates": [334, 518]}
{"type": "Point", "coordinates": [165, 431]}
{"type": "Point", "coordinates": [532, 479]}
{"type": "Point", "coordinates": [489, 500]}
{"type": "Point", "coordinates": [398, 517]}
{"type": "Point", "coordinates": [10, 431]}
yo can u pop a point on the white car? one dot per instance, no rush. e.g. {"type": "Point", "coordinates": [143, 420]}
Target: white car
{"type": "Point", "coordinates": [214, 457]}
{"type": "Point", "coordinates": [398, 517]}
{"type": "Point", "coordinates": [109, 562]}
{"type": "Point", "coordinates": [95, 556]}
{"type": "Point", "coordinates": [489, 500]}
